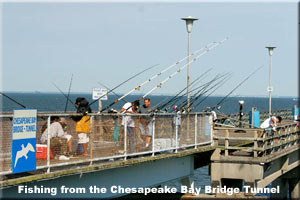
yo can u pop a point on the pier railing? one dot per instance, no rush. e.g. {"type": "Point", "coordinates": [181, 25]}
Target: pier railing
{"type": "Point", "coordinates": [232, 119]}
{"type": "Point", "coordinates": [110, 139]}
{"type": "Point", "coordinates": [257, 142]}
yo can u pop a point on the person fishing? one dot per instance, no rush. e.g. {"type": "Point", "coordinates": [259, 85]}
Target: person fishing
{"type": "Point", "coordinates": [58, 137]}
{"type": "Point", "coordinates": [129, 108]}
{"type": "Point", "coordinates": [271, 123]}
{"type": "Point", "coordinates": [176, 120]}
{"type": "Point", "coordinates": [83, 123]}
{"type": "Point", "coordinates": [145, 122]}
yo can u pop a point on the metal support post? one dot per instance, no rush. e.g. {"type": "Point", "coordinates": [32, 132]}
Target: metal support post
{"type": "Point", "coordinates": [91, 139]}
{"type": "Point", "coordinates": [226, 142]}
{"type": "Point", "coordinates": [125, 138]}
{"type": "Point", "coordinates": [48, 144]}
{"type": "Point", "coordinates": [99, 105]}
{"type": "Point", "coordinates": [255, 144]}
{"type": "Point", "coordinates": [176, 137]}
{"type": "Point", "coordinates": [196, 125]}
{"type": "Point", "coordinates": [153, 134]}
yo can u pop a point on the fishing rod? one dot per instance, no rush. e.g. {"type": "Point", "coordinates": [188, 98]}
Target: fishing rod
{"type": "Point", "coordinates": [175, 100]}
{"type": "Point", "coordinates": [64, 95]}
{"type": "Point", "coordinates": [135, 75]}
{"type": "Point", "coordinates": [158, 74]}
{"type": "Point", "coordinates": [202, 91]}
{"type": "Point", "coordinates": [156, 106]}
{"type": "Point", "coordinates": [222, 100]}
{"type": "Point", "coordinates": [218, 85]}
{"type": "Point", "coordinates": [111, 91]}
{"type": "Point", "coordinates": [212, 92]}
{"type": "Point", "coordinates": [68, 93]}
{"type": "Point", "coordinates": [181, 68]}
{"type": "Point", "coordinates": [184, 95]}
{"type": "Point", "coordinates": [175, 97]}
{"type": "Point", "coordinates": [12, 100]}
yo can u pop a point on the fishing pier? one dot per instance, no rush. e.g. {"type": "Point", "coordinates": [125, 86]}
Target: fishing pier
{"type": "Point", "coordinates": [238, 156]}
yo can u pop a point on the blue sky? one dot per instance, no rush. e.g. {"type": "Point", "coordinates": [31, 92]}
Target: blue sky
{"type": "Point", "coordinates": [109, 42]}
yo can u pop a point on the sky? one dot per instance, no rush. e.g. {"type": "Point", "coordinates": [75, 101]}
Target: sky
{"type": "Point", "coordinates": [45, 43]}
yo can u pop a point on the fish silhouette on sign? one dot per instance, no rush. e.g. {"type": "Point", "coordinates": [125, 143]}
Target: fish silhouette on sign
{"type": "Point", "coordinates": [23, 152]}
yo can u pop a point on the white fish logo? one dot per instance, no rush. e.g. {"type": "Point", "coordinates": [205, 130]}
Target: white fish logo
{"type": "Point", "coordinates": [23, 152]}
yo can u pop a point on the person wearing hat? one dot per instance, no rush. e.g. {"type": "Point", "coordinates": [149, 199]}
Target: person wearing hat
{"type": "Point", "coordinates": [129, 108]}
{"type": "Point", "coordinates": [64, 124]}
{"type": "Point", "coordinates": [58, 137]}
{"type": "Point", "coordinates": [83, 123]}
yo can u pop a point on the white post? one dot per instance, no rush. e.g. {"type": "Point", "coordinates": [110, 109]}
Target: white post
{"type": "Point", "coordinates": [196, 125]}
{"type": "Point", "coordinates": [270, 88]}
{"type": "Point", "coordinates": [99, 105]}
{"type": "Point", "coordinates": [188, 72]}
{"type": "Point", "coordinates": [125, 138]}
{"type": "Point", "coordinates": [48, 144]}
{"type": "Point", "coordinates": [91, 139]}
{"type": "Point", "coordinates": [176, 136]}
{"type": "Point", "coordinates": [153, 134]}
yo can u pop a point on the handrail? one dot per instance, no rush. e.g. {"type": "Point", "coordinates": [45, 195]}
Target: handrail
{"type": "Point", "coordinates": [106, 123]}
{"type": "Point", "coordinates": [267, 143]}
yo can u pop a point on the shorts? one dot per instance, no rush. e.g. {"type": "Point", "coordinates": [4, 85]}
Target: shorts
{"type": "Point", "coordinates": [146, 130]}
{"type": "Point", "coordinates": [83, 138]}
{"type": "Point", "coordinates": [68, 137]}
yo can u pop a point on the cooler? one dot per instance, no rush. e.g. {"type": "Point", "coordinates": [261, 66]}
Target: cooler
{"type": "Point", "coordinates": [41, 151]}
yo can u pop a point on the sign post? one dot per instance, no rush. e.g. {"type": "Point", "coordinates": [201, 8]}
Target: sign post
{"type": "Point", "coordinates": [24, 140]}
{"type": "Point", "coordinates": [97, 93]}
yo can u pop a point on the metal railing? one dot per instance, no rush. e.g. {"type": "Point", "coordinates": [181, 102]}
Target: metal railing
{"type": "Point", "coordinates": [259, 142]}
{"type": "Point", "coordinates": [109, 138]}
{"type": "Point", "coordinates": [232, 119]}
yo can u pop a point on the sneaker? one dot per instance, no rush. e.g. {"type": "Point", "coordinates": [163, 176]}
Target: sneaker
{"type": "Point", "coordinates": [62, 157]}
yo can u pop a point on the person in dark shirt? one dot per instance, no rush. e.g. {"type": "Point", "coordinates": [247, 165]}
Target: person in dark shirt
{"type": "Point", "coordinates": [145, 122]}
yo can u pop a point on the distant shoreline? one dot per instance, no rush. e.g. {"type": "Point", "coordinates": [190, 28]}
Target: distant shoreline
{"type": "Point", "coordinates": [138, 94]}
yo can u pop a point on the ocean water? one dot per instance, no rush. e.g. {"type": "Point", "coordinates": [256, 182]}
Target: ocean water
{"type": "Point", "coordinates": [57, 102]}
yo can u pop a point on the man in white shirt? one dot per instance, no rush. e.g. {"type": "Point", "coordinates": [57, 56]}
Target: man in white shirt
{"type": "Point", "coordinates": [271, 122]}
{"type": "Point", "coordinates": [129, 108]}
{"type": "Point", "coordinates": [58, 137]}
{"type": "Point", "coordinates": [176, 121]}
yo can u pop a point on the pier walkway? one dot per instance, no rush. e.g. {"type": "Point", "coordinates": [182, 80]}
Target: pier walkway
{"type": "Point", "coordinates": [175, 151]}
{"type": "Point", "coordinates": [270, 157]}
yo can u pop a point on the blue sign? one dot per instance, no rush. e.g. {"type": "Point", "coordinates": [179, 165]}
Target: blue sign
{"type": "Point", "coordinates": [24, 140]}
